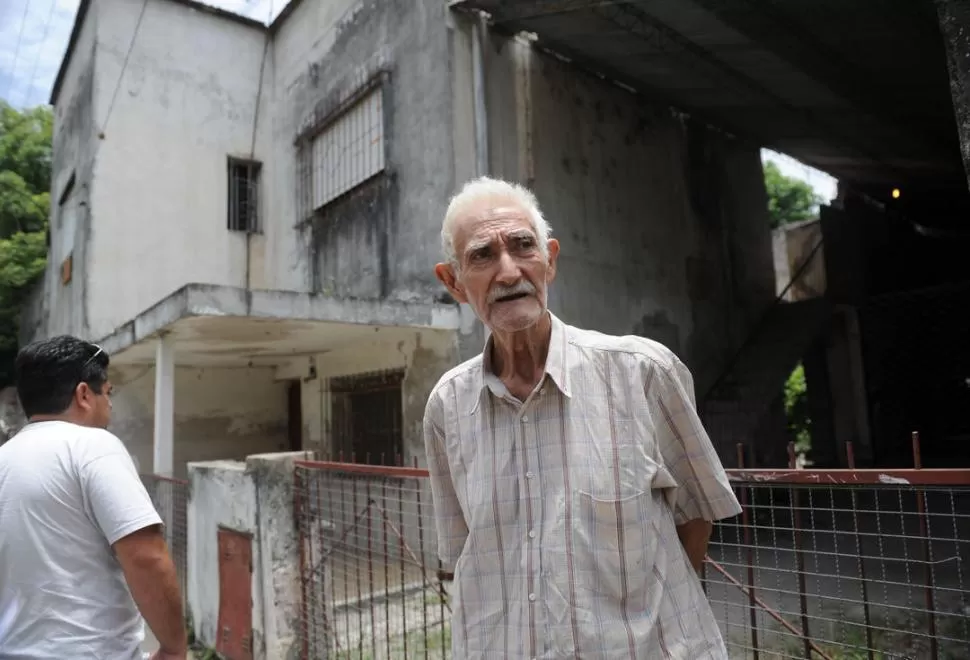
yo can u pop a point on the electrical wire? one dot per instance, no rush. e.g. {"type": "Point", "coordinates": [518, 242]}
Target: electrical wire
{"type": "Point", "coordinates": [16, 55]}
{"type": "Point", "coordinates": [124, 65]}
{"type": "Point", "coordinates": [40, 48]}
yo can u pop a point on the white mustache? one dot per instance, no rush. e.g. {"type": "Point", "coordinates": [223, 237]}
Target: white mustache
{"type": "Point", "coordinates": [499, 291]}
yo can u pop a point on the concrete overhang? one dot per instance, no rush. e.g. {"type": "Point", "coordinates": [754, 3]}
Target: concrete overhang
{"type": "Point", "coordinates": [858, 89]}
{"type": "Point", "coordinates": [227, 326]}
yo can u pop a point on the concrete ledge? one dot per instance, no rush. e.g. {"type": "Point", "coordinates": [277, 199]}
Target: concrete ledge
{"type": "Point", "coordinates": [195, 300]}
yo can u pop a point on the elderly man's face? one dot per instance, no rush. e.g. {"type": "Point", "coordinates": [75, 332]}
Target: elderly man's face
{"type": "Point", "coordinates": [502, 272]}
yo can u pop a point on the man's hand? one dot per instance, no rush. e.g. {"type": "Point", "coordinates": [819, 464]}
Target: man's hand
{"type": "Point", "coordinates": [694, 535]}
{"type": "Point", "coordinates": [162, 655]}
{"type": "Point", "coordinates": [154, 586]}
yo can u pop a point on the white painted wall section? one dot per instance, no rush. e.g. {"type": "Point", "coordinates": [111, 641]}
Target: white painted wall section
{"type": "Point", "coordinates": [226, 413]}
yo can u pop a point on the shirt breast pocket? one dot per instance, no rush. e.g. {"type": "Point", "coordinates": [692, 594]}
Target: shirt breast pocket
{"type": "Point", "coordinates": [614, 543]}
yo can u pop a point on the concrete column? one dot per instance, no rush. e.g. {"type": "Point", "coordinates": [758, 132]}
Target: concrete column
{"type": "Point", "coordinates": [954, 16]}
{"type": "Point", "coordinates": [164, 440]}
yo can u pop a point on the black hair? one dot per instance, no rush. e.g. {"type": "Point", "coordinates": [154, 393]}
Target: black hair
{"type": "Point", "coordinates": [47, 372]}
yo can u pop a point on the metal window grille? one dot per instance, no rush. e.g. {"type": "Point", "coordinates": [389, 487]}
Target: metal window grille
{"type": "Point", "coordinates": [366, 417]}
{"type": "Point", "coordinates": [244, 195]}
{"type": "Point", "coordinates": [349, 150]}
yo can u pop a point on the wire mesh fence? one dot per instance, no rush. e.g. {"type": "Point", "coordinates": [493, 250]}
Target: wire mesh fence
{"type": "Point", "coordinates": [170, 497]}
{"type": "Point", "coordinates": [844, 564]}
{"type": "Point", "coordinates": [372, 585]}
{"type": "Point", "coordinates": [836, 564]}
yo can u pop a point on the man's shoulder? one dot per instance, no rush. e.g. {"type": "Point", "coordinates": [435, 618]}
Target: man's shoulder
{"type": "Point", "coordinates": [467, 372]}
{"type": "Point", "coordinates": [639, 348]}
{"type": "Point", "coordinates": [85, 442]}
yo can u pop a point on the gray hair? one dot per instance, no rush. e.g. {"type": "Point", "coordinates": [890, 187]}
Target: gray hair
{"type": "Point", "coordinates": [483, 188]}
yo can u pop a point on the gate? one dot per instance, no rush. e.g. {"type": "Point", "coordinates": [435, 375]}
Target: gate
{"type": "Point", "coordinates": [372, 585]}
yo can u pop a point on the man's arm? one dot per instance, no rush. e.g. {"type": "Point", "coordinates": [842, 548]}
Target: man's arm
{"type": "Point", "coordinates": [703, 493]}
{"type": "Point", "coordinates": [694, 535]}
{"type": "Point", "coordinates": [449, 518]}
{"type": "Point", "coordinates": [154, 586]}
{"type": "Point", "coordinates": [124, 513]}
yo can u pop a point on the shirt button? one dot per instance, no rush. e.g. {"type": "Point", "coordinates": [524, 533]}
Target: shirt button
{"type": "Point", "coordinates": [532, 533]}
{"type": "Point", "coordinates": [532, 597]}
{"type": "Point", "coordinates": [525, 418]}
{"type": "Point", "coordinates": [529, 474]}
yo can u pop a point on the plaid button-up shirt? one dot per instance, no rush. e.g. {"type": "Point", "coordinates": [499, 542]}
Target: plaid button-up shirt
{"type": "Point", "coordinates": [559, 513]}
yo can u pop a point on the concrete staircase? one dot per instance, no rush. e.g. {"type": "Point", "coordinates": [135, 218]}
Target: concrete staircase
{"type": "Point", "coordinates": [734, 408]}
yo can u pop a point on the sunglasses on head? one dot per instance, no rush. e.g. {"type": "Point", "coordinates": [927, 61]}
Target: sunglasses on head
{"type": "Point", "coordinates": [96, 354]}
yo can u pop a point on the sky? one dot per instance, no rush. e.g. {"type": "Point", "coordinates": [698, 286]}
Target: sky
{"type": "Point", "coordinates": [34, 36]}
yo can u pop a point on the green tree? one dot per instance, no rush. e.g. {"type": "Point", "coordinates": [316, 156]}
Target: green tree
{"type": "Point", "coordinates": [25, 167]}
{"type": "Point", "coordinates": [789, 199]}
{"type": "Point", "coordinates": [796, 409]}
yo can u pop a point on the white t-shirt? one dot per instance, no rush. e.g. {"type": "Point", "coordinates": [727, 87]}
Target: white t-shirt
{"type": "Point", "coordinates": [67, 493]}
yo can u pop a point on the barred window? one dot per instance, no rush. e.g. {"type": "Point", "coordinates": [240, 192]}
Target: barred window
{"type": "Point", "coordinates": [349, 150]}
{"type": "Point", "coordinates": [244, 195]}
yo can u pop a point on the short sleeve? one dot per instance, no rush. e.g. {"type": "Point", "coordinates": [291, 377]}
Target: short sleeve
{"type": "Point", "coordinates": [114, 493]}
{"type": "Point", "coordinates": [703, 489]}
{"type": "Point", "coordinates": [448, 516]}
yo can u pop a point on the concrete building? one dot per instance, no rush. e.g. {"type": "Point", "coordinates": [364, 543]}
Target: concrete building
{"type": "Point", "coordinates": [247, 217]}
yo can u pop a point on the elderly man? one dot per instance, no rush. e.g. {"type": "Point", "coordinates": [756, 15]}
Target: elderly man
{"type": "Point", "coordinates": [574, 486]}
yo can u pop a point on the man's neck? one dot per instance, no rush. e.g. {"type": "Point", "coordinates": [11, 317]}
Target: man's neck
{"type": "Point", "coordinates": [63, 417]}
{"type": "Point", "coordinates": [519, 358]}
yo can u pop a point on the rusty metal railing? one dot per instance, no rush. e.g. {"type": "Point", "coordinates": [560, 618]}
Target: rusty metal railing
{"type": "Point", "coordinates": [829, 564]}
{"type": "Point", "coordinates": [372, 584]}
{"type": "Point", "coordinates": [845, 564]}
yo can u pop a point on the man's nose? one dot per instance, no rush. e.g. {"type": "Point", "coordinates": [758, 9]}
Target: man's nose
{"type": "Point", "coordinates": [508, 269]}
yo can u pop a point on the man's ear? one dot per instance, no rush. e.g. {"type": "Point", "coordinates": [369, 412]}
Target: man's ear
{"type": "Point", "coordinates": [84, 396]}
{"type": "Point", "coordinates": [446, 274]}
{"type": "Point", "coordinates": [553, 248]}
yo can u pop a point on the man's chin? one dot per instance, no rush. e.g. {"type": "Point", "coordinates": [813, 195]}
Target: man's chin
{"type": "Point", "coordinates": [515, 317]}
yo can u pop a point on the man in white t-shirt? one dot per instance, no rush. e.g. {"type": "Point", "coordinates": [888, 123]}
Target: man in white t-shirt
{"type": "Point", "coordinates": [81, 545]}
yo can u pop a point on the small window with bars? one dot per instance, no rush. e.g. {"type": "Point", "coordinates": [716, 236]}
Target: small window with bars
{"type": "Point", "coordinates": [244, 195]}
{"type": "Point", "coordinates": [366, 417]}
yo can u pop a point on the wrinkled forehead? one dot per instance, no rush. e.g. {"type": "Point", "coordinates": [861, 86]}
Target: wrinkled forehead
{"type": "Point", "coordinates": [491, 219]}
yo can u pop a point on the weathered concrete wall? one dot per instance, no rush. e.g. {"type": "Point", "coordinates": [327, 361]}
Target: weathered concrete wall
{"type": "Point", "coordinates": [222, 493]}
{"type": "Point", "coordinates": [382, 239]}
{"type": "Point", "coordinates": [792, 247]}
{"type": "Point", "coordinates": [186, 101]}
{"type": "Point", "coordinates": [663, 222]}
{"type": "Point", "coordinates": [955, 26]}
{"type": "Point", "coordinates": [56, 307]}
{"type": "Point", "coordinates": [226, 413]}
{"type": "Point", "coordinates": [424, 356]}
{"type": "Point", "coordinates": [254, 497]}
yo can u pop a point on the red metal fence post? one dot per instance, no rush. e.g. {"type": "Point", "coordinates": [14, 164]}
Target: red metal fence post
{"type": "Point", "coordinates": [799, 557]}
{"type": "Point", "coordinates": [866, 616]}
{"type": "Point", "coordinates": [752, 599]}
{"type": "Point", "coordinates": [924, 530]}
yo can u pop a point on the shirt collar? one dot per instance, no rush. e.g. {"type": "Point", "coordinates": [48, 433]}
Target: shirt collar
{"type": "Point", "coordinates": [556, 366]}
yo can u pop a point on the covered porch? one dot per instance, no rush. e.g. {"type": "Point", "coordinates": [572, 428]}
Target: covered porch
{"type": "Point", "coordinates": [222, 373]}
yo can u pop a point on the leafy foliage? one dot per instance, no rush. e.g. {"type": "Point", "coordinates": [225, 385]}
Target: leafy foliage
{"type": "Point", "coordinates": [796, 409]}
{"type": "Point", "coordinates": [25, 171]}
{"type": "Point", "coordinates": [789, 199]}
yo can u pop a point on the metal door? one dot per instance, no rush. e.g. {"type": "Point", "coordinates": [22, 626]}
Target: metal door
{"type": "Point", "coordinates": [235, 632]}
